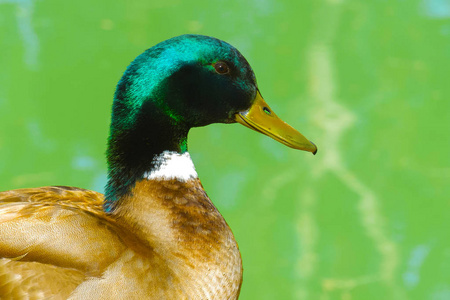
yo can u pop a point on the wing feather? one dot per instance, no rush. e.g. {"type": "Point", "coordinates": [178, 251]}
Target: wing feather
{"type": "Point", "coordinates": [51, 238]}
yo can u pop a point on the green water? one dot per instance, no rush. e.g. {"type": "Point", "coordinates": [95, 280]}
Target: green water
{"type": "Point", "coordinates": [367, 81]}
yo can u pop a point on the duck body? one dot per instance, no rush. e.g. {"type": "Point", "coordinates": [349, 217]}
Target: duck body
{"type": "Point", "coordinates": [168, 231]}
{"type": "Point", "coordinates": [155, 234]}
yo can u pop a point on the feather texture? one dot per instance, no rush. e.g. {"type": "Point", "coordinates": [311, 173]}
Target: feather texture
{"type": "Point", "coordinates": [167, 241]}
{"type": "Point", "coordinates": [157, 235]}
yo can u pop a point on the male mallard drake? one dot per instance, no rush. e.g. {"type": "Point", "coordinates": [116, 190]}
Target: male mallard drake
{"type": "Point", "coordinates": [155, 234]}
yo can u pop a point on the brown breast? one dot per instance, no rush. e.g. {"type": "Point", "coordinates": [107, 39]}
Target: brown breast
{"type": "Point", "coordinates": [180, 224]}
{"type": "Point", "coordinates": [166, 240]}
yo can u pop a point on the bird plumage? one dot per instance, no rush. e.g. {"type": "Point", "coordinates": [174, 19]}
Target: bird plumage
{"type": "Point", "coordinates": [155, 234]}
{"type": "Point", "coordinates": [57, 239]}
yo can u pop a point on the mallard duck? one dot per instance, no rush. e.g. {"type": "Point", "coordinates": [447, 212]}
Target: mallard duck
{"type": "Point", "coordinates": [155, 234]}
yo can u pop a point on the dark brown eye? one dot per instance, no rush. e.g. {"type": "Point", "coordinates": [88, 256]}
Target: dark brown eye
{"type": "Point", "coordinates": [221, 67]}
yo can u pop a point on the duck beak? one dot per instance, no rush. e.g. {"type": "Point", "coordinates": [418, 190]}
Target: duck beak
{"type": "Point", "coordinates": [261, 118]}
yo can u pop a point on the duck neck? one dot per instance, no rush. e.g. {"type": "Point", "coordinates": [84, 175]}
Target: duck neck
{"type": "Point", "coordinates": [139, 147]}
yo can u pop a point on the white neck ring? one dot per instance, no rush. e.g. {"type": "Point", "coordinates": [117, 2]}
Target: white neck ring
{"type": "Point", "coordinates": [172, 165]}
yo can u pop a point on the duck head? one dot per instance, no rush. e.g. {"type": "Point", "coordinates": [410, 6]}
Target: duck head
{"type": "Point", "coordinates": [184, 82]}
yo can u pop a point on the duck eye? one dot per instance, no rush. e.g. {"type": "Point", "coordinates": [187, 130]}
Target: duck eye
{"type": "Point", "coordinates": [221, 67]}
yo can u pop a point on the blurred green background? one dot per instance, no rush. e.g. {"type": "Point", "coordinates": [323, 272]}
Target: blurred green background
{"type": "Point", "coordinates": [367, 81]}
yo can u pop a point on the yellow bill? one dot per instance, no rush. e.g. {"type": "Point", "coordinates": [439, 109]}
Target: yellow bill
{"type": "Point", "coordinates": [261, 118]}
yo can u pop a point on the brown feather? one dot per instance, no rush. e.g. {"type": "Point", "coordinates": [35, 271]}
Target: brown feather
{"type": "Point", "coordinates": [165, 241]}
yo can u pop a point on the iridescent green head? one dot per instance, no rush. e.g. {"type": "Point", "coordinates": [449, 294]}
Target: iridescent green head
{"type": "Point", "coordinates": [183, 82]}
{"type": "Point", "coordinates": [194, 80]}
